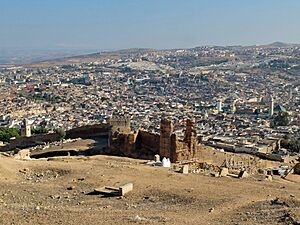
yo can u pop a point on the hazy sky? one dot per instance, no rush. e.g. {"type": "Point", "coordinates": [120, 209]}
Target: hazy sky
{"type": "Point", "coordinates": [119, 24]}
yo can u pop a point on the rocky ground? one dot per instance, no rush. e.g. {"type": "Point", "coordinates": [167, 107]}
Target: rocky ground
{"type": "Point", "coordinates": [60, 191]}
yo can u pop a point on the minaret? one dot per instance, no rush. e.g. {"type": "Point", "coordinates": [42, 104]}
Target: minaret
{"type": "Point", "coordinates": [291, 94]}
{"type": "Point", "coordinates": [219, 106]}
{"type": "Point", "coordinates": [233, 106]}
{"type": "Point", "coordinates": [25, 129]}
{"type": "Point", "coordinates": [271, 107]}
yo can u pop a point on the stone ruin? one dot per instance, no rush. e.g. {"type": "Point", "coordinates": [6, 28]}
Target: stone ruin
{"type": "Point", "coordinates": [120, 123]}
{"type": "Point", "coordinates": [23, 154]}
{"type": "Point", "coordinates": [143, 144]}
{"type": "Point", "coordinates": [172, 147]}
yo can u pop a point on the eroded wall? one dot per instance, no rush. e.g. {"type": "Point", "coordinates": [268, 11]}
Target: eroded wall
{"type": "Point", "coordinates": [96, 130]}
{"type": "Point", "coordinates": [144, 144]}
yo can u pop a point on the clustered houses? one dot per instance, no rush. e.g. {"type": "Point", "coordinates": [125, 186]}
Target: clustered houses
{"type": "Point", "coordinates": [227, 90]}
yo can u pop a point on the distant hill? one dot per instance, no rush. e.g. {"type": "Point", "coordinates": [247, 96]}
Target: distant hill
{"type": "Point", "coordinates": [26, 56]}
{"type": "Point", "coordinates": [279, 44]}
{"type": "Point", "coordinates": [51, 58]}
{"type": "Point", "coordinates": [276, 44]}
{"type": "Point", "coordinates": [93, 57]}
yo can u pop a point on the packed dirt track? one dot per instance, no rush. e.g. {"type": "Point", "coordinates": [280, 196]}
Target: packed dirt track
{"type": "Point", "coordinates": [60, 191]}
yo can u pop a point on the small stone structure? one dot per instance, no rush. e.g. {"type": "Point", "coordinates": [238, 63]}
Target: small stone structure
{"type": "Point", "coordinates": [23, 154]}
{"type": "Point", "coordinates": [157, 158]}
{"type": "Point", "coordinates": [114, 191]}
{"type": "Point", "coordinates": [124, 189]}
{"type": "Point", "coordinates": [243, 174]}
{"type": "Point", "coordinates": [185, 169]}
{"type": "Point", "coordinates": [224, 172]}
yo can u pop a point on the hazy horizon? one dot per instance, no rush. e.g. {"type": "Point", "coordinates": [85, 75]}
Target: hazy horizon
{"type": "Point", "coordinates": [27, 55]}
{"type": "Point", "coordinates": [116, 24]}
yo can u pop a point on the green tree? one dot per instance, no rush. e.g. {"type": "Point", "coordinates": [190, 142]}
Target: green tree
{"type": "Point", "coordinates": [281, 119]}
{"type": "Point", "coordinates": [39, 131]}
{"type": "Point", "coordinates": [61, 132]}
{"type": "Point", "coordinates": [291, 144]}
{"type": "Point", "coordinates": [6, 133]}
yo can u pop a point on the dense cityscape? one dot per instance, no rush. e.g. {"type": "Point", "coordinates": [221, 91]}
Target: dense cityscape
{"type": "Point", "coordinates": [149, 112]}
{"type": "Point", "coordinates": [211, 124]}
{"type": "Point", "coordinates": [243, 99]}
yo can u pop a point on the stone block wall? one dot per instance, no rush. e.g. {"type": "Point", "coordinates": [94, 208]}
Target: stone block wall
{"type": "Point", "coordinates": [144, 144]}
{"type": "Point", "coordinates": [96, 130]}
{"type": "Point", "coordinates": [140, 144]}
{"type": "Point", "coordinates": [25, 142]}
{"type": "Point", "coordinates": [147, 144]}
{"type": "Point", "coordinates": [120, 123]}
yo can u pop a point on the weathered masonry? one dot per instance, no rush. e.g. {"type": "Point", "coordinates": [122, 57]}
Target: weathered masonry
{"type": "Point", "coordinates": [144, 144]}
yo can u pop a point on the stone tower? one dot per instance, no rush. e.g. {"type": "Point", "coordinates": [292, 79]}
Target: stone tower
{"type": "Point", "coordinates": [233, 106]}
{"type": "Point", "coordinates": [120, 123]}
{"type": "Point", "coordinates": [25, 129]}
{"type": "Point", "coordinates": [219, 106]}
{"type": "Point", "coordinates": [271, 107]}
{"type": "Point", "coordinates": [291, 93]}
{"type": "Point", "coordinates": [166, 131]}
{"type": "Point", "coordinates": [190, 136]}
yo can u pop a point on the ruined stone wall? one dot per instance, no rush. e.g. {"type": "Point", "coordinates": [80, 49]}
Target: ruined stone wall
{"type": "Point", "coordinates": [99, 130]}
{"type": "Point", "coordinates": [25, 142]}
{"type": "Point", "coordinates": [174, 148]}
{"type": "Point", "coordinates": [190, 135]}
{"type": "Point", "coordinates": [186, 149]}
{"type": "Point", "coordinates": [147, 143]}
{"type": "Point", "coordinates": [183, 152]}
{"type": "Point", "coordinates": [144, 144]}
{"type": "Point", "coordinates": [140, 144]}
{"type": "Point", "coordinates": [122, 144]}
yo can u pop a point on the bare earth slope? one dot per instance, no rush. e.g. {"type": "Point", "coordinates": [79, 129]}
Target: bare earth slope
{"type": "Point", "coordinates": [57, 192]}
